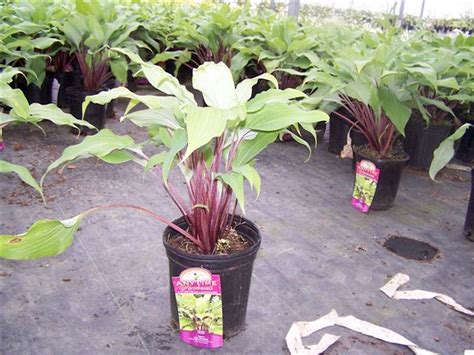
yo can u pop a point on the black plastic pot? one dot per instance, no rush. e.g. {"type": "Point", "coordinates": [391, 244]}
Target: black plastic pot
{"type": "Point", "coordinates": [469, 224]}
{"type": "Point", "coordinates": [110, 107]}
{"type": "Point", "coordinates": [421, 142]}
{"type": "Point", "coordinates": [465, 151]}
{"type": "Point", "coordinates": [389, 179]}
{"type": "Point", "coordinates": [95, 114]}
{"type": "Point", "coordinates": [66, 80]}
{"type": "Point", "coordinates": [235, 273]}
{"type": "Point", "coordinates": [338, 129]}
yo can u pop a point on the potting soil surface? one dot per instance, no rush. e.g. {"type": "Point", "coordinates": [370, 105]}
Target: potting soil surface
{"type": "Point", "coordinates": [108, 293]}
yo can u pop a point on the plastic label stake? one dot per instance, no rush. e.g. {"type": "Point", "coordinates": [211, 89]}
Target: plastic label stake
{"type": "Point", "coordinates": [366, 178]}
{"type": "Point", "coordinates": [199, 301]}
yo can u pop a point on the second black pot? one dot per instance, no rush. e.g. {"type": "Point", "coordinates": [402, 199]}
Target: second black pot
{"type": "Point", "coordinates": [95, 114]}
{"type": "Point", "coordinates": [389, 179]}
{"type": "Point", "coordinates": [235, 272]}
{"type": "Point", "coordinates": [421, 142]}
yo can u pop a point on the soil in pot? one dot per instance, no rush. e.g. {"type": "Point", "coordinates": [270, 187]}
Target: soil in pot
{"type": "Point", "coordinates": [95, 114]}
{"type": "Point", "coordinates": [391, 168]}
{"type": "Point", "coordinates": [235, 271]}
{"type": "Point", "coordinates": [421, 141]}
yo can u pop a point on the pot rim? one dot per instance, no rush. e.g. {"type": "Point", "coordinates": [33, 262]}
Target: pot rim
{"type": "Point", "coordinates": [405, 158]}
{"type": "Point", "coordinates": [257, 239]}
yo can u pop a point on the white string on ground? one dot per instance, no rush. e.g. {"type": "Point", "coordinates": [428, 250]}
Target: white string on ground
{"type": "Point", "coordinates": [109, 290]}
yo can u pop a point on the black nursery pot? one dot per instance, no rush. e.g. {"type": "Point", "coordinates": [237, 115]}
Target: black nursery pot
{"type": "Point", "coordinates": [421, 142]}
{"type": "Point", "coordinates": [389, 179]}
{"type": "Point", "coordinates": [235, 273]}
{"type": "Point", "coordinates": [66, 80]}
{"type": "Point", "coordinates": [95, 114]}
{"type": "Point", "coordinates": [338, 129]}
{"type": "Point", "coordinates": [469, 224]}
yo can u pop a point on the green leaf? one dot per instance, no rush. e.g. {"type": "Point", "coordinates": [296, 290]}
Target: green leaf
{"type": "Point", "coordinates": [155, 160]}
{"type": "Point", "coordinates": [205, 123]}
{"type": "Point", "coordinates": [251, 174]}
{"type": "Point", "coordinates": [151, 101]}
{"type": "Point", "coordinates": [15, 99]}
{"type": "Point", "coordinates": [99, 145]}
{"type": "Point", "coordinates": [117, 157]}
{"type": "Point", "coordinates": [396, 111]}
{"type": "Point", "coordinates": [148, 117]}
{"type": "Point", "coordinates": [119, 68]}
{"type": "Point", "coordinates": [249, 149]}
{"type": "Point", "coordinates": [54, 114]}
{"type": "Point", "coordinates": [177, 143]}
{"type": "Point", "coordinates": [278, 116]}
{"type": "Point", "coordinates": [272, 96]}
{"type": "Point", "coordinates": [44, 238]}
{"type": "Point", "coordinates": [236, 182]}
{"type": "Point", "coordinates": [438, 103]}
{"type": "Point", "coordinates": [166, 83]}
{"type": "Point", "coordinates": [44, 42]}
{"type": "Point", "coordinates": [448, 83]}
{"type": "Point", "coordinates": [244, 88]}
{"type": "Point", "coordinates": [216, 84]}
{"type": "Point", "coordinates": [23, 174]}
{"type": "Point", "coordinates": [445, 152]}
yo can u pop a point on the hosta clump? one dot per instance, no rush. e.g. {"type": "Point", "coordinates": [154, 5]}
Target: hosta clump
{"type": "Point", "coordinates": [215, 147]}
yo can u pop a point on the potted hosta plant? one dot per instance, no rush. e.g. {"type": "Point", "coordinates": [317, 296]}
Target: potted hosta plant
{"type": "Point", "coordinates": [215, 147]}
{"type": "Point", "coordinates": [439, 76]}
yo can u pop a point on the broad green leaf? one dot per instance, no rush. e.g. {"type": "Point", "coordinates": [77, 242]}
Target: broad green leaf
{"type": "Point", "coordinates": [54, 114]}
{"type": "Point", "coordinates": [396, 111]}
{"type": "Point", "coordinates": [244, 88]}
{"type": "Point", "coordinates": [359, 91]}
{"type": "Point", "coordinates": [22, 172]}
{"type": "Point", "coordinates": [216, 84]}
{"type": "Point", "coordinates": [15, 99]}
{"type": "Point", "coordinates": [147, 117]}
{"type": "Point", "coordinates": [249, 149]}
{"type": "Point", "coordinates": [438, 103]}
{"type": "Point", "coordinates": [278, 116]}
{"type": "Point", "coordinates": [177, 143]}
{"type": "Point", "coordinates": [251, 174]}
{"type": "Point", "coordinates": [166, 83]}
{"type": "Point", "coordinates": [445, 152]}
{"type": "Point", "coordinates": [448, 83]}
{"type": "Point", "coordinates": [272, 96]}
{"type": "Point", "coordinates": [151, 101]}
{"type": "Point", "coordinates": [155, 160]}
{"type": "Point", "coordinates": [119, 68]}
{"type": "Point", "coordinates": [117, 157]}
{"type": "Point", "coordinates": [236, 182]}
{"type": "Point", "coordinates": [99, 145]}
{"type": "Point", "coordinates": [43, 239]}
{"type": "Point", "coordinates": [44, 42]}
{"type": "Point", "coordinates": [205, 123]}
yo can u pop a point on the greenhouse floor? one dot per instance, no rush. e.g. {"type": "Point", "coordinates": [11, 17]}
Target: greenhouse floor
{"type": "Point", "coordinates": [109, 292]}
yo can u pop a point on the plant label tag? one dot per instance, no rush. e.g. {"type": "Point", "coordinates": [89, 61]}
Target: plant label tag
{"type": "Point", "coordinates": [366, 178]}
{"type": "Point", "coordinates": [199, 301]}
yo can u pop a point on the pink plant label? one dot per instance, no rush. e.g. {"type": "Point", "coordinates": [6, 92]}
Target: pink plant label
{"type": "Point", "coordinates": [199, 300]}
{"type": "Point", "coordinates": [366, 178]}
